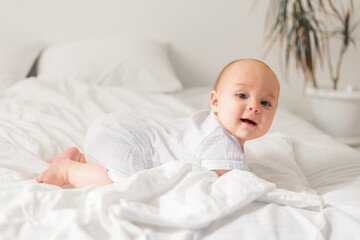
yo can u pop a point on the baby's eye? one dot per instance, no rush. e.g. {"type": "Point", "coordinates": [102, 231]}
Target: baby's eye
{"type": "Point", "coordinates": [265, 103]}
{"type": "Point", "coordinates": [242, 96]}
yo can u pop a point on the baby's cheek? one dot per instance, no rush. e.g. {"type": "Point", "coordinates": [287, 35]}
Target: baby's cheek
{"type": "Point", "coordinates": [266, 125]}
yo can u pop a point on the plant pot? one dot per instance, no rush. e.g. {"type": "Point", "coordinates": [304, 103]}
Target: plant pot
{"type": "Point", "coordinates": [337, 113]}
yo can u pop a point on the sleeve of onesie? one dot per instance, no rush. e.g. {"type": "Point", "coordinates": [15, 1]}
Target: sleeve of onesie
{"type": "Point", "coordinates": [224, 164]}
{"type": "Point", "coordinates": [220, 151]}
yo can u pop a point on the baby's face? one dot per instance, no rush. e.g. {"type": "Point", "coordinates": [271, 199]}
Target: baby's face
{"type": "Point", "coordinates": [246, 100]}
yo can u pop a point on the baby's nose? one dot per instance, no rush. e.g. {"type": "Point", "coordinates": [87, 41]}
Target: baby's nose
{"type": "Point", "coordinates": [254, 106]}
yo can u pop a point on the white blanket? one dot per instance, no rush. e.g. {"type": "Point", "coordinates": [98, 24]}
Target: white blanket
{"type": "Point", "coordinates": [177, 194]}
{"type": "Point", "coordinates": [40, 119]}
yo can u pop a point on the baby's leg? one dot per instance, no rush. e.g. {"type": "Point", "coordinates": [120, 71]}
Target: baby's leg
{"type": "Point", "coordinates": [72, 153]}
{"type": "Point", "coordinates": [65, 171]}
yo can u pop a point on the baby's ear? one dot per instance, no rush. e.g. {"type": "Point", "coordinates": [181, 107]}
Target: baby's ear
{"type": "Point", "coordinates": [214, 101]}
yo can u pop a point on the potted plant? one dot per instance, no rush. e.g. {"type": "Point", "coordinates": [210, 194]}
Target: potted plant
{"type": "Point", "coordinates": [306, 29]}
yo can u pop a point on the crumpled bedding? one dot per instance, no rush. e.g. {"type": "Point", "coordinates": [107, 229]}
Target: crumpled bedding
{"type": "Point", "coordinates": [176, 194]}
{"type": "Point", "coordinates": [177, 200]}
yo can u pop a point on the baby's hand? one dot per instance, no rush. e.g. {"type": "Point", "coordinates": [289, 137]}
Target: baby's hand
{"type": "Point", "coordinates": [220, 172]}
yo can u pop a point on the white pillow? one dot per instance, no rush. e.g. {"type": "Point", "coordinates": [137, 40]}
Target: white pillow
{"type": "Point", "coordinates": [137, 64]}
{"type": "Point", "coordinates": [271, 157]}
{"type": "Point", "coordinates": [16, 59]}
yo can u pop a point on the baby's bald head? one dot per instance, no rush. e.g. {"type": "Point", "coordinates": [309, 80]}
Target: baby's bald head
{"type": "Point", "coordinates": [244, 65]}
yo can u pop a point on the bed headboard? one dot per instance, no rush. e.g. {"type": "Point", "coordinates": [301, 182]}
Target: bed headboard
{"type": "Point", "coordinates": [204, 35]}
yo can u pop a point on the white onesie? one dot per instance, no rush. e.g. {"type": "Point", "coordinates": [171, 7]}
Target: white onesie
{"type": "Point", "coordinates": [125, 145]}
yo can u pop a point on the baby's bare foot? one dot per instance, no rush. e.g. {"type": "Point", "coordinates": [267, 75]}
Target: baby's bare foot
{"type": "Point", "coordinates": [72, 153]}
{"type": "Point", "coordinates": [56, 174]}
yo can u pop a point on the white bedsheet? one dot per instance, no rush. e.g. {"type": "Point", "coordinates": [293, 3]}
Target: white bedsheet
{"type": "Point", "coordinates": [175, 201]}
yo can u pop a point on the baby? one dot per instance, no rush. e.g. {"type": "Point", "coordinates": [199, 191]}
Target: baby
{"type": "Point", "coordinates": [243, 105]}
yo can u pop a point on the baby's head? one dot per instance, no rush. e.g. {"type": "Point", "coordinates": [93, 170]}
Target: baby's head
{"type": "Point", "coordinates": [245, 98]}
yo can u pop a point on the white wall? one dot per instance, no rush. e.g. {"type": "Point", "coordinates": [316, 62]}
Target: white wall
{"type": "Point", "coordinates": [204, 34]}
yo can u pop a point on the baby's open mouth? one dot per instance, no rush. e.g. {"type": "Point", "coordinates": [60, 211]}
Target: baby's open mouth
{"type": "Point", "coordinates": [248, 121]}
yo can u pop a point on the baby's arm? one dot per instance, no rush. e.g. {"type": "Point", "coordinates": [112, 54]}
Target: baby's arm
{"type": "Point", "coordinates": [220, 171]}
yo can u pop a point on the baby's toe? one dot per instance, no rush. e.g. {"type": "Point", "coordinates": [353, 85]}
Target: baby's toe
{"type": "Point", "coordinates": [39, 178]}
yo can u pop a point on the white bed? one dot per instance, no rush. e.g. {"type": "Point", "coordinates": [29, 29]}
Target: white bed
{"type": "Point", "coordinates": [302, 184]}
